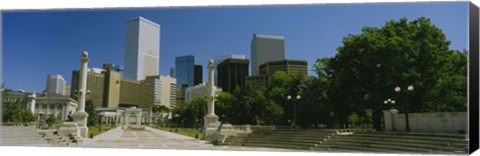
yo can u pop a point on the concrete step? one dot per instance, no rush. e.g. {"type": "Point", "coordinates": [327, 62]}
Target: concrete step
{"type": "Point", "coordinates": [310, 144]}
{"type": "Point", "coordinates": [382, 147]}
{"type": "Point", "coordinates": [288, 138]}
{"type": "Point", "coordinates": [442, 135]}
{"type": "Point", "coordinates": [406, 137]}
{"type": "Point", "coordinates": [283, 146]}
{"type": "Point", "coordinates": [392, 143]}
{"type": "Point", "coordinates": [387, 140]}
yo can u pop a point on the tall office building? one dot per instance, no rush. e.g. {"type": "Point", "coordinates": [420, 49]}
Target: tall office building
{"type": "Point", "coordinates": [142, 48]}
{"type": "Point", "coordinates": [172, 72]}
{"type": "Point", "coordinates": [232, 73]}
{"type": "Point", "coordinates": [220, 58]}
{"type": "Point", "coordinates": [95, 85]}
{"type": "Point", "coordinates": [265, 48]}
{"type": "Point", "coordinates": [288, 66]}
{"type": "Point", "coordinates": [268, 69]}
{"type": "Point", "coordinates": [56, 84]}
{"type": "Point", "coordinates": [165, 90]}
{"type": "Point", "coordinates": [188, 70]}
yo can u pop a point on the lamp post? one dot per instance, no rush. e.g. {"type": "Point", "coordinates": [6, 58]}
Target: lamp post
{"type": "Point", "coordinates": [298, 97]}
{"type": "Point", "coordinates": [389, 102]}
{"type": "Point", "coordinates": [406, 105]}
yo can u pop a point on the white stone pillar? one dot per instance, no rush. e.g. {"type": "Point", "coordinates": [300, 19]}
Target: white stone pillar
{"type": "Point", "coordinates": [32, 102]}
{"type": "Point", "coordinates": [211, 89]}
{"type": "Point", "coordinates": [80, 116]}
{"type": "Point", "coordinates": [389, 119]}
{"type": "Point", "coordinates": [139, 118]}
{"type": "Point", "coordinates": [211, 123]}
{"type": "Point", "coordinates": [127, 115]}
{"type": "Point", "coordinates": [64, 111]}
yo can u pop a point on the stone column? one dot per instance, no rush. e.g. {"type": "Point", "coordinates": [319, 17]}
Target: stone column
{"type": "Point", "coordinates": [127, 115]}
{"type": "Point", "coordinates": [210, 120]}
{"type": "Point", "coordinates": [139, 118]}
{"type": "Point", "coordinates": [389, 118]}
{"type": "Point", "coordinates": [80, 116]}
{"type": "Point", "coordinates": [211, 89]}
{"type": "Point", "coordinates": [150, 119]}
{"type": "Point", "coordinates": [32, 102]}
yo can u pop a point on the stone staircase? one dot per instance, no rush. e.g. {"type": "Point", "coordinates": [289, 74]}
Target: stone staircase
{"type": "Point", "coordinates": [21, 136]}
{"type": "Point", "coordinates": [285, 138]}
{"type": "Point", "coordinates": [54, 139]}
{"type": "Point", "coordinates": [367, 140]}
{"type": "Point", "coordinates": [393, 142]}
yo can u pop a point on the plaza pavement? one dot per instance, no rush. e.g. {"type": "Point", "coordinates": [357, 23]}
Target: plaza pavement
{"type": "Point", "coordinates": [151, 138]}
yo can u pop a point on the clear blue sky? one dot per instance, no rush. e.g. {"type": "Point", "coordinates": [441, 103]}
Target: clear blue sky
{"type": "Point", "coordinates": [38, 43]}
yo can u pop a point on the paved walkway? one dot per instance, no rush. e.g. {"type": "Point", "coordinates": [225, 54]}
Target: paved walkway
{"type": "Point", "coordinates": [151, 138]}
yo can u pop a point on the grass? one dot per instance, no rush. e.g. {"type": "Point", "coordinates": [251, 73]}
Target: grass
{"type": "Point", "coordinates": [191, 132]}
{"type": "Point", "coordinates": [95, 130]}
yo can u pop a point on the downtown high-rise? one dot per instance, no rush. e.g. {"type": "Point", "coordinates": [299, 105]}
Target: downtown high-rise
{"type": "Point", "coordinates": [220, 58]}
{"type": "Point", "coordinates": [142, 49]}
{"type": "Point", "coordinates": [266, 48]}
{"type": "Point", "coordinates": [188, 70]}
{"type": "Point", "coordinates": [56, 84]}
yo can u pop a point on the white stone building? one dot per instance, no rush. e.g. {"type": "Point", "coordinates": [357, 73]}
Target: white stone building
{"type": "Point", "coordinates": [198, 91]}
{"type": "Point", "coordinates": [59, 106]}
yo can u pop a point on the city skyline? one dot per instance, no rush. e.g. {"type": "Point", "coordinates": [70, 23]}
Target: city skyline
{"type": "Point", "coordinates": [50, 33]}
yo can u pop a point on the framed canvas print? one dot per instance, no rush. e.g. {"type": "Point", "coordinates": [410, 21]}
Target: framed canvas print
{"type": "Point", "coordinates": [314, 78]}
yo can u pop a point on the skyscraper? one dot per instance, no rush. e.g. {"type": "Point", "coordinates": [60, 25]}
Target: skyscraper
{"type": "Point", "coordinates": [188, 70]}
{"type": "Point", "coordinates": [232, 73]}
{"type": "Point", "coordinates": [265, 48]}
{"type": "Point", "coordinates": [142, 48]}
{"type": "Point", "coordinates": [220, 58]}
{"type": "Point", "coordinates": [165, 90]}
{"type": "Point", "coordinates": [55, 84]}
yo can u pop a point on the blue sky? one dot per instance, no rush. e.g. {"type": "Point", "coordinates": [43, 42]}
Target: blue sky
{"type": "Point", "coordinates": [38, 43]}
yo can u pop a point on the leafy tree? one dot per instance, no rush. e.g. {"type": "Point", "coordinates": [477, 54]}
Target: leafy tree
{"type": "Point", "coordinates": [12, 111]}
{"type": "Point", "coordinates": [223, 106]}
{"type": "Point", "coordinates": [191, 114]}
{"type": "Point", "coordinates": [368, 67]}
{"type": "Point", "coordinates": [160, 108]}
{"type": "Point", "coordinates": [93, 117]}
{"type": "Point", "coordinates": [51, 119]}
{"type": "Point", "coordinates": [245, 107]}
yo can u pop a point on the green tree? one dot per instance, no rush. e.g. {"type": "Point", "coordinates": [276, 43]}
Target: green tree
{"type": "Point", "coordinates": [160, 108]}
{"type": "Point", "coordinates": [93, 117]}
{"type": "Point", "coordinates": [368, 66]}
{"type": "Point", "coordinates": [51, 119]}
{"type": "Point", "coordinates": [191, 114]}
{"type": "Point", "coordinates": [223, 106]}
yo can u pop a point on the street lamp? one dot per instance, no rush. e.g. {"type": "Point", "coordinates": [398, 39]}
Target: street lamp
{"type": "Point", "coordinates": [409, 89]}
{"type": "Point", "coordinates": [298, 97]}
{"type": "Point", "coordinates": [389, 102]}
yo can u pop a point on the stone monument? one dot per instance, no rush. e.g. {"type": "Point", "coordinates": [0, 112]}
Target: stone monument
{"type": "Point", "coordinates": [80, 116]}
{"type": "Point", "coordinates": [211, 122]}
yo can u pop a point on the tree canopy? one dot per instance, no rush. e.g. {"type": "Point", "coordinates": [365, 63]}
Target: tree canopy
{"type": "Point", "coordinates": [368, 67]}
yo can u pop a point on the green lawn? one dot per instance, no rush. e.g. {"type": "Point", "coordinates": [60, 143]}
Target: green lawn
{"type": "Point", "coordinates": [191, 132]}
{"type": "Point", "coordinates": [95, 130]}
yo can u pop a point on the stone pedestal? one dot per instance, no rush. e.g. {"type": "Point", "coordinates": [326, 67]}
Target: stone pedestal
{"type": "Point", "coordinates": [226, 130]}
{"type": "Point", "coordinates": [80, 119]}
{"type": "Point", "coordinates": [210, 128]}
{"type": "Point", "coordinates": [70, 129]}
{"type": "Point", "coordinates": [389, 119]}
